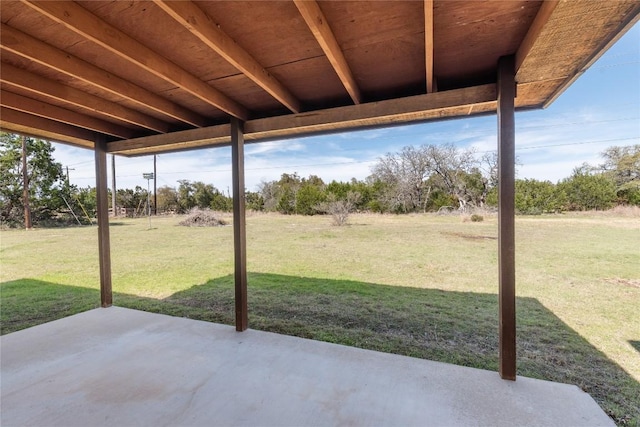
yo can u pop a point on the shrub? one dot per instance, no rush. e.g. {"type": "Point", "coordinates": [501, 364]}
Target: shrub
{"type": "Point", "coordinates": [340, 209]}
{"type": "Point", "coordinates": [477, 218]}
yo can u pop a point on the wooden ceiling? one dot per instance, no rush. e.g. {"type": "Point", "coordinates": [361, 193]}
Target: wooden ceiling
{"type": "Point", "coordinates": [163, 75]}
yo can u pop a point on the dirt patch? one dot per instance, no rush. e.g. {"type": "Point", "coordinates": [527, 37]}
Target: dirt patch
{"type": "Point", "coordinates": [468, 236]}
{"type": "Point", "coordinates": [633, 283]}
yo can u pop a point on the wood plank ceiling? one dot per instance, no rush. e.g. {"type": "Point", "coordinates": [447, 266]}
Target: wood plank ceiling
{"type": "Point", "coordinates": [168, 75]}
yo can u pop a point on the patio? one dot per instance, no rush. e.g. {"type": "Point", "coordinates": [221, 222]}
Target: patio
{"type": "Point", "coordinates": [115, 366]}
{"type": "Point", "coordinates": [142, 78]}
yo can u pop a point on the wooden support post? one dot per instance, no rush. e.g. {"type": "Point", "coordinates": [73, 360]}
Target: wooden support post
{"type": "Point", "coordinates": [506, 215]}
{"type": "Point", "coordinates": [113, 186]}
{"type": "Point", "coordinates": [25, 185]}
{"type": "Point", "coordinates": [239, 224]}
{"type": "Point", "coordinates": [155, 186]}
{"type": "Point", "coordinates": [104, 247]}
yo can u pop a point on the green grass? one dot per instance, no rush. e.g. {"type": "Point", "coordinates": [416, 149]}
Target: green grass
{"type": "Point", "coordinates": [418, 285]}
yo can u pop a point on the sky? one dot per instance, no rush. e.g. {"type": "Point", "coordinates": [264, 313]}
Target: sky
{"type": "Point", "coordinates": [600, 109]}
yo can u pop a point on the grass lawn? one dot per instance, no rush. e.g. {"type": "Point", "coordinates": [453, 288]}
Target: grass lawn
{"type": "Point", "coordinates": [418, 285]}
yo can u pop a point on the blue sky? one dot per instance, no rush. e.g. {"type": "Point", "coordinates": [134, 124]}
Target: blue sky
{"type": "Point", "coordinates": [601, 109]}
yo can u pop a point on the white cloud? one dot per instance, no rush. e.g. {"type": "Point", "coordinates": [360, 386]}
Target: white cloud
{"type": "Point", "coordinates": [291, 145]}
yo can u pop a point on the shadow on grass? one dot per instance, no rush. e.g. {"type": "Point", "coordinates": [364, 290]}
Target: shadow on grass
{"type": "Point", "coordinates": [28, 302]}
{"type": "Point", "coordinates": [452, 327]}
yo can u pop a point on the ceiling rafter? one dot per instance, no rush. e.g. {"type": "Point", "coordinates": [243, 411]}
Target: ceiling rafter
{"type": "Point", "coordinates": [42, 53]}
{"type": "Point", "coordinates": [539, 22]}
{"type": "Point", "coordinates": [396, 35]}
{"type": "Point", "coordinates": [317, 23]}
{"type": "Point", "coordinates": [53, 112]}
{"type": "Point", "coordinates": [190, 16]}
{"type": "Point", "coordinates": [40, 127]}
{"type": "Point", "coordinates": [91, 27]}
{"type": "Point", "coordinates": [428, 44]}
{"type": "Point", "coordinates": [33, 83]}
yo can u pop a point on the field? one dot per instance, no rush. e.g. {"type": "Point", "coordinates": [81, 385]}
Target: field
{"type": "Point", "coordinates": [419, 285]}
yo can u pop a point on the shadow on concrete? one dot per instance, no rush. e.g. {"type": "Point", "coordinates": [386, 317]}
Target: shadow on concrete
{"type": "Point", "coordinates": [635, 344]}
{"type": "Point", "coordinates": [452, 327]}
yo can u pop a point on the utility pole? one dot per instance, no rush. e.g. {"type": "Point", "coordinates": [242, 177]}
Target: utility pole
{"type": "Point", "coordinates": [67, 167]}
{"type": "Point", "coordinates": [25, 186]}
{"type": "Point", "coordinates": [155, 187]}
{"type": "Point", "coordinates": [113, 185]}
{"type": "Point", "coordinates": [148, 176]}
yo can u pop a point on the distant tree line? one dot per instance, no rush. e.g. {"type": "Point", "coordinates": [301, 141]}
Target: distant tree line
{"type": "Point", "coordinates": [430, 178]}
{"type": "Point", "coordinates": [415, 179]}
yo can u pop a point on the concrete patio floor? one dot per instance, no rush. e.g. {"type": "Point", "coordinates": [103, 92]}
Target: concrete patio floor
{"type": "Point", "coordinates": [121, 367]}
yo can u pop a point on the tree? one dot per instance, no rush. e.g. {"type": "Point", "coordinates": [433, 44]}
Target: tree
{"type": "Point", "coordinates": [381, 196]}
{"type": "Point", "coordinates": [287, 191]}
{"type": "Point", "coordinates": [310, 195]}
{"type": "Point", "coordinates": [186, 200]}
{"type": "Point", "coordinates": [534, 197]}
{"type": "Point", "coordinates": [341, 190]}
{"type": "Point", "coordinates": [203, 194]}
{"type": "Point", "coordinates": [410, 178]}
{"type": "Point", "coordinates": [586, 190]}
{"type": "Point", "coordinates": [281, 195]}
{"type": "Point", "coordinates": [46, 180]}
{"type": "Point", "coordinates": [268, 191]}
{"type": "Point", "coordinates": [254, 201]}
{"type": "Point", "coordinates": [622, 166]}
{"type": "Point", "coordinates": [135, 199]}
{"type": "Point", "coordinates": [458, 173]}
{"type": "Point", "coordinates": [287, 202]}
{"type": "Point", "coordinates": [404, 175]}
{"type": "Point", "coordinates": [220, 202]}
{"type": "Point", "coordinates": [167, 199]}
{"type": "Point", "coordinates": [86, 201]}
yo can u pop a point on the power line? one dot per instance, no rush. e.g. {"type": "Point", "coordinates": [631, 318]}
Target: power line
{"type": "Point", "coordinates": [617, 55]}
{"type": "Point", "coordinates": [81, 163]}
{"type": "Point", "coordinates": [622, 64]}
{"type": "Point", "coordinates": [487, 131]}
{"type": "Point", "coordinates": [373, 161]}
{"type": "Point", "coordinates": [480, 132]}
{"type": "Point", "coordinates": [578, 143]}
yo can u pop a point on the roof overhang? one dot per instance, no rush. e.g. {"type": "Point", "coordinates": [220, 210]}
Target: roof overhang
{"type": "Point", "coordinates": [164, 76]}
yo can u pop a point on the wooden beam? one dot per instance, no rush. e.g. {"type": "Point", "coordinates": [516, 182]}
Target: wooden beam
{"type": "Point", "coordinates": [33, 83]}
{"type": "Point", "coordinates": [42, 109]}
{"type": "Point", "coordinates": [200, 25]}
{"type": "Point", "coordinates": [317, 23]}
{"type": "Point", "coordinates": [506, 216]}
{"type": "Point", "coordinates": [201, 137]}
{"type": "Point", "coordinates": [81, 21]}
{"type": "Point", "coordinates": [30, 125]}
{"type": "Point", "coordinates": [428, 43]}
{"type": "Point", "coordinates": [239, 225]}
{"type": "Point", "coordinates": [42, 53]}
{"type": "Point", "coordinates": [544, 13]}
{"type": "Point", "coordinates": [434, 106]}
{"type": "Point", "coordinates": [104, 247]}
